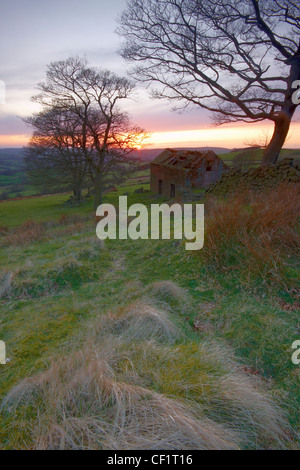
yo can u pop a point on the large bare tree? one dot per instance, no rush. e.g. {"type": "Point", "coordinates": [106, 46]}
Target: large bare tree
{"type": "Point", "coordinates": [88, 128]}
{"type": "Point", "coordinates": [238, 59]}
{"type": "Point", "coordinates": [55, 151]}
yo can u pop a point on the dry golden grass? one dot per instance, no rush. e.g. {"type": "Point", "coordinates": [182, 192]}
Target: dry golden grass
{"type": "Point", "coordinates": [254, 229]}
{"type": "Point", "coordinates": [3, 230]}
{"type": "Point", "coordinates": [168, 291]}
{"type": "Point", "coordinates": [138, 321]}
{"type": "Point", "coordinates": [70, 219]}
{"type": "Point", "coordinates": [68, 230]}
{"type": "Point", "coordinates": [30, 231]}
{"type": "Point", "coordinates": [5, 284]}
{"type": "Point", "coordinates": [208, 376]}
{"type": "Point", "coordinates": [83, 406]}
{"type": "Point", "coordinates": [126, 389]}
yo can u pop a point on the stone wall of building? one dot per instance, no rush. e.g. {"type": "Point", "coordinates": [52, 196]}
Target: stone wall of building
{"type": "Point", "coordinates": [168, 176]}
{"type": "Point", "coordinates": [269, 176]}
{"type": "Point", "coordinates": [181, 178]}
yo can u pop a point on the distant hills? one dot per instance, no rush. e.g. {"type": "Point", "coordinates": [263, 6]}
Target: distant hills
{"type": "Point", "coordinates": [12, 174]}
{"type": "Point", "coordinates": [147, 155]}
{"type": "Point", "coordinates": [13, 181]}
{"type": "Point", "coordinates": [11, 159]}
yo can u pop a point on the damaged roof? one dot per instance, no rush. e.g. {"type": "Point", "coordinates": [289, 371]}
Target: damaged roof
{"type": "Point", "coordinates": [185, 159]}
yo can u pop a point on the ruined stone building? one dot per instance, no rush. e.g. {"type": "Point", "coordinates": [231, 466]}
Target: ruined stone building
{"type": "Point", "coordinates": [174, 171]}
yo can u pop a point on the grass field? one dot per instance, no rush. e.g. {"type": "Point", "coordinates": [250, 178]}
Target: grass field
{"type": "Point", "coordinates": [234, 157]}
{"type": "Point", "coordinates": [141, 344]}
{"type": "Point", "coordinates": [52, 207]}
{"type": "Point", "coordinates": [13, 181]}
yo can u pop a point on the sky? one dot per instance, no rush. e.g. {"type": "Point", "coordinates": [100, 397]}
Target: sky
{"type": "Point", "coordinates": [36, 32]}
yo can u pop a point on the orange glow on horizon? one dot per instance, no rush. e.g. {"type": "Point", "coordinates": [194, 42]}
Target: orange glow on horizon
{"type": "Point", "coordinates": [228, 136]}
{"type": "Point", "coordinates": [233, 136]}
{"type": "Point", "coordinates": [14, 140]}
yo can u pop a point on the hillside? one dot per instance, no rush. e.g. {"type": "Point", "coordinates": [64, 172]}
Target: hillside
{"type": "Point", "coordinates": [141, 344]}
{"type": "Point", "coordinates": [11, 166]}
{"type": "Point", "coordinates": [12, 174]}
{"type": "Point", "coordinates": [147, 155]}
{"type": "Point", "coordinates": [11, 159]}
{"type": "Point", "coordinates": [13, 181]}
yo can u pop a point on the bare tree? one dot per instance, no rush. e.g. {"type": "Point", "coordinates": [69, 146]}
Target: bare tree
{"type": "Point", "coordinates": [235, 58]}
{"type": "Point", "coordinates": [93, 130]}
{"type": "Point", "coordinates": [261, 141]}
{"type": "Point", "coordinates": [55, 151]}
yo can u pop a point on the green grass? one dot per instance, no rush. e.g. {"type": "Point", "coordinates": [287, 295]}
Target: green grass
{"type": "Point", "coordinates": [13, 213]}
{"type": "Point", "coordinates": [257, 154]}
{"type": "Point", "coordinates": [16, 178]}
{"type": "Point", "coordinates": [65, 283]}
{"type": "Point", "coordinates": [13, 174]}
{"type": "Point", "coordinates": [52, 207]}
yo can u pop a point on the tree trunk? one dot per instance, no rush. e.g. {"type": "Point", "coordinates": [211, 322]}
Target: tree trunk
{"type": "Point", "coordinates": [274, 147]}
{"type": "Point", "coordinates": [98, 191]}
{"type": "Point", "coordinates": [77, 190]}
{"type": "Point", "coordinates": [98, 178]}
{"type": "Point", "coordinates": [77, 194]}
{"type": "Point", "coordinates": [283, 121]}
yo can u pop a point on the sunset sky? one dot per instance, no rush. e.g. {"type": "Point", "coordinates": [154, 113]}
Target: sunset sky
{"type": "Point", "coordinates": [36, 32]}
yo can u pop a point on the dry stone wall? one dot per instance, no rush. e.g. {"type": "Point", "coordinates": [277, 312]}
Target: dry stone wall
{"type": "Point", "coordinates": [268, 176]}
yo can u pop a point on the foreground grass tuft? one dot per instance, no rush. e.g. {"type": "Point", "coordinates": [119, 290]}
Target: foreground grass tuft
{"type": "Point", "coordinates": [109, 396]}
